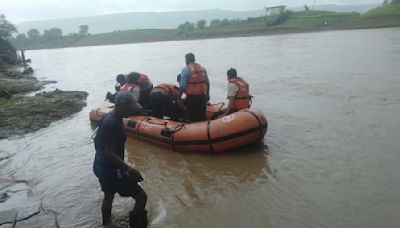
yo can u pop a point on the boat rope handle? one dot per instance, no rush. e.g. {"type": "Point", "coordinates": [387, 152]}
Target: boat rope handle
{"type": "Point", "coordinates": [149, 121]}
{"type": "Point", "coordinates": [219, 112]}
{"type": "Point", "coordinates": [179, 127]}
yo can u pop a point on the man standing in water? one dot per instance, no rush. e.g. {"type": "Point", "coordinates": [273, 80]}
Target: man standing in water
{"type": "Point", "coordinates": [195, 83]}
{"type": "Point", "coordinates": [116, 176]}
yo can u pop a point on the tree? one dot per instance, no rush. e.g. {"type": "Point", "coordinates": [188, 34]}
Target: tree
{"type": "Point", "coordinates": [215, 22]}
{"type": "Point", "coordinates": [33, 34]}
{"type": "Point", "coordinates": [6, 28]}
{"type": "Point", "coordinates": [53, 34]}
{"type": "Point", "coordinates": [20, 41]}
{"type": "Point", "coordinates": [185, 28]}
{"type": "Point", "coordinates": [83, 30]}
{"type": "Point", "coordinates": [224, 22]}
{"type": "Point", "coordinates": [7, 51]}
{"type": "Point", "coordinates": [201, 24]}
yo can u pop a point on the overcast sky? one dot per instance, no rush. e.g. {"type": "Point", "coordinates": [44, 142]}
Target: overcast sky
{"type": "Point", "coordinates": [18, 11]}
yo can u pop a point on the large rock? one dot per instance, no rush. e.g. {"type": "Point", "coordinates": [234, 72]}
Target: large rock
{"type": "Point", "coordinates": [23, 114]}
{"type": "Point", "coordinates": [7, 217]}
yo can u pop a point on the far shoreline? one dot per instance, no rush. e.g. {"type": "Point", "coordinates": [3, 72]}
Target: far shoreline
{"type": "Point", "coordinates": [285, 22]}
{"type": "Point", "coordinates": [260, 34]}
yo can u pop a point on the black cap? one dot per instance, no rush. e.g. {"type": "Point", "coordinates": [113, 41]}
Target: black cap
{"type": "Point", "coordinates": [120, 78]}
{"type": "Point", "coordinates": [124, 98]}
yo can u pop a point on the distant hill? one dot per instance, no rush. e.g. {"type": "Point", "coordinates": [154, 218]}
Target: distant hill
{"type": "Point", "coordinates": [136, 20]}
{"type": "Point", "coordinates": [340, 8]}
{"type": "Point", "coordinates": [163, 20]}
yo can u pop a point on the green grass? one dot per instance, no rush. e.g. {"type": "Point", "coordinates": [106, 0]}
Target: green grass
{"type": "Point", "coordinates": [392, 10]}
{"type": "Point", "coordinates": [384, 16]}
{"type": "Point", "coordinates": [309, 20]}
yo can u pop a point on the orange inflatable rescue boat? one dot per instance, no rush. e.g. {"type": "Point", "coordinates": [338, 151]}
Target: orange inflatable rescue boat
{"type": "Point", "coordinates": [238, 129]}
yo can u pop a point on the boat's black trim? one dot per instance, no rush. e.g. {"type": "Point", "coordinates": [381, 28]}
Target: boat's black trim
{"type": "Point", "coordinates": [259, 122]}
{"type": "Point", "coordinates": [209, 136]}
{"type": "Point", "coordinates": [198, 142]}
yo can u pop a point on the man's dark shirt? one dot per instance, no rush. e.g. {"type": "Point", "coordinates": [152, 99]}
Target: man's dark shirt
{"type": "Point", "coordinates": [111, 132]}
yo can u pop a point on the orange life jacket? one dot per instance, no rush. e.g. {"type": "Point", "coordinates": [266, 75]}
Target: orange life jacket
{"type": "Point", "coordinates": [197, 80]}
{"type": "Point", "coordinates": [242, 96]}
{"type": "Point", "coordinates": [171, 89]}
{"type": "Point", "coordinates": [129, 87]}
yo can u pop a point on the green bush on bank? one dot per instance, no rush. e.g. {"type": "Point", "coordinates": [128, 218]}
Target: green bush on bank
{"type": "Point", "coordinates": [385, 11]}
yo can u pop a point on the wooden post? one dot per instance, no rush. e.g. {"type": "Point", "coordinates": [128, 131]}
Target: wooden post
{"type": "Point", "coordinates": [23, 57]}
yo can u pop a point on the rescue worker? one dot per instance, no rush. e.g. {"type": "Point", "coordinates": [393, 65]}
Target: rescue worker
{"type": "Point", "coordinates": [163, 101]}
{"type": "Point", "coordinates": [145, 86]}
{"type": "Point", "coordinates": [238, 92]}
{"type": "Point", "coordinates": [116, 176]}
{"type": "Point", "coordinates": [121, 80]}
{"type": "Point", "coordinates": [195, 83]}
{"type": "Point", "coordinates": [132, 87]}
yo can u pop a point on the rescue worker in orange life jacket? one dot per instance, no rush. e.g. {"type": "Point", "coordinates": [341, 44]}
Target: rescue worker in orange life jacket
{"type": "Point", "coordinates": [140, 86]}
{"type": "Point", "coordinates": [121, 80]}
{"type": "Point", "coordinates": [132, 87]}
{"type": "Point", "coordinates": [238, 92]}
{"type": "Point", "coordinates": [195, 83]}
{"type": "Point", "coordinates": [163, 101]}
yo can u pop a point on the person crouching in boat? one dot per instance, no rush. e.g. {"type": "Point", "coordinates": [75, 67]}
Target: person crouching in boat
{"type": "Point", "coordinates": [195, 83]}
{"type": "Point", "coordinates": [141, 86]}
{"type": "Point", "coordinates": [238, 92]}
{"type": "Point", "coordinates": [163, 101]}
{"type": "Point", "coordinates": [116, 176]}
{"type": "Point", "coordinates": [121, 80]}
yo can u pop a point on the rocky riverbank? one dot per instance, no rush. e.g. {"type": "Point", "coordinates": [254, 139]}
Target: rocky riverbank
{"type": "Point", "coordinates": [20, 114]}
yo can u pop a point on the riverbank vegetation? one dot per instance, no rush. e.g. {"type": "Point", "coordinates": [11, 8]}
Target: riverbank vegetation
{"type": "Point", "coordinates": [387, 15]}
{"type": "Point", "coordinates": [51, 38]}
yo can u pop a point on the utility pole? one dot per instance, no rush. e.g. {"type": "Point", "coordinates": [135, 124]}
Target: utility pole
{"type": "Point", "coordinates": [313, 5]}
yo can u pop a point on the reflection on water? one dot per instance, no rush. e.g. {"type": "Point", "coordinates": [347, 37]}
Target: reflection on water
{"type": "Point", "coordinates": [197, 180]}
{"type": "Point", "coordinates": [332, 101]}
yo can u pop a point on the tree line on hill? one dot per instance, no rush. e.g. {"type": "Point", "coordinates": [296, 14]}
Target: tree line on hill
{"type": "Point", "coordinates": [52, 37]}
{"type": "Point", "coordinates": [188, 27]}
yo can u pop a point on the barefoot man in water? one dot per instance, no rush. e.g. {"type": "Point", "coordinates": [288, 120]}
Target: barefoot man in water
{"type": "Point", "coordinates": [116, 176]}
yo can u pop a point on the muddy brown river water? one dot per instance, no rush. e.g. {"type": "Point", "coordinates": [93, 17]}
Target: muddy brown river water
{"type": "Point", "coordinates": [330, 157]}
